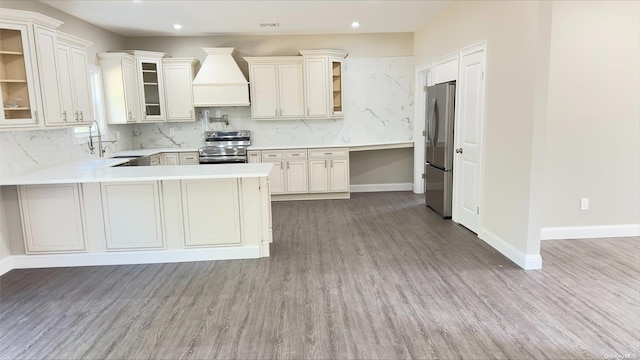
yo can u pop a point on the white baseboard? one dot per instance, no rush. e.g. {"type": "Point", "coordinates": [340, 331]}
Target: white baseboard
{"type": "Point", "coordinates": [6, 265]}
{"type": "Point", "coordinates": [382, 187]}
{"type": "Point", "coordinates": [525, 261]}
{"type": "Point", "coordinates": [133, 257]}
{"type": "Point", "coordinates": [589, 232]}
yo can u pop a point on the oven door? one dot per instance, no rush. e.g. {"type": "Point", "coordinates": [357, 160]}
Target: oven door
{"type": "Point", "coordinates": [220, 155]}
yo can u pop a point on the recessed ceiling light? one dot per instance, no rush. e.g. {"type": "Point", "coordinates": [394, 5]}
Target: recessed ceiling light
{"type": "Point", "coordinates": [355, 24]}
{"type": "Point", "coordinates": [177, 26]}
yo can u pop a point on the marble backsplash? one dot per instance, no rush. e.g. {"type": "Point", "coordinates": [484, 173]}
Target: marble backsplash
{"type": "Point", "coordinates": [378, 107]}
{"type": "Point", "coordinates": [21, 151]}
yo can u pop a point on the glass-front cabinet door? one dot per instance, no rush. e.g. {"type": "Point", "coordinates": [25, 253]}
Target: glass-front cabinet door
{"type": "Point", "coordinates": [16, 76]}
{"type": "Point", "coordinates": [152, 89]}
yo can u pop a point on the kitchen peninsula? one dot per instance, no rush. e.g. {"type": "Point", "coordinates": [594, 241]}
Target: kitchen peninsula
{"type": "Point", "coordinates": [95, 212]}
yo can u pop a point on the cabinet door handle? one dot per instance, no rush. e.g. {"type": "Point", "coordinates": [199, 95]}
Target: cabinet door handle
{"type": "Point", "coordinates": [81, 116]}
{"type": "Point", "coordinates": [129, 115]}
{"type": "Point", "coordinates": [287, 164]}
{"type": "Point", "coordinates": [190, 113]}
{"type": "Point", "coordinates": [331, 162]}
{"type": "Point", "coordinates": [35, 115]}
{"type": "Point", "coordinates": [76, 113]}
{"type": "Point", "coordinates": [64, 115]}
{"type": "Point", "coordinates": [325, 164]}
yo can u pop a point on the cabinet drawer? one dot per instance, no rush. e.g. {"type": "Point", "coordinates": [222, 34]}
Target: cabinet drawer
{"type": "Point", "coordinates": [328, 152]}
{"type": "Point", "coordinates": [272, 155]}
{"type": "Point", "coordinates": [295, 154]}
{"type": "Point", "coordinates": [189, 158]}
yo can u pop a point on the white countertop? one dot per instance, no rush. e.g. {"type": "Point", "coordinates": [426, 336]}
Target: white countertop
{"type": "Point", "coordinates": [101, 170]}
{"type": "Point", "coordinates": [351, 147]}
{"type": "Point", "coordinates": [149, 152]}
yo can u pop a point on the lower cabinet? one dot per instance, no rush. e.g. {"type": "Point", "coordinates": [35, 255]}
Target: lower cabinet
{"type": "Point", "coordinates": [176, 158]}
{"type": "Point", "coordinates": [189, 158]}
{"type": "Point", "coordinates": [328, 170]}
{"type": "Point", "coordinates": [170, 159]}
{"type": "Point", "coordinates": [289, 174]}
{"type": "Point", "coordinates": [155, 160]}
{"type": "Point", "coordinates": [307, 171]}
{"type": "Point", "coordinates": [52, 218]}
{"type": "Point", "coordinates": [132, 215]}
{"type": "Point", "coordinates": [211, 212]}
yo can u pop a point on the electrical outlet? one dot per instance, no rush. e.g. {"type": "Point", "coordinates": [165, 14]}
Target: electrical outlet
{"type": "Point", "coordinates": [172, 131]}
{"type": "Point", "coordinates": [584, 204]}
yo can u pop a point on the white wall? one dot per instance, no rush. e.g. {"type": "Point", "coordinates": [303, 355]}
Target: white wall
{"type": "Point", "coordinates": [593, 129]}
{"type": "Point", "coordinates": [511, 31]}
{"type": "Point", "coordinates": [562, 111]}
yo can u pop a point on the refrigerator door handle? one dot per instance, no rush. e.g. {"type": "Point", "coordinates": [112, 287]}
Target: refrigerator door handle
{"type": "Point", "coordinates": [432, 110]}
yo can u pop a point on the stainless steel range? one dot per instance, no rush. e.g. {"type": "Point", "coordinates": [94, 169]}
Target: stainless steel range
{"type": "Point", "coordinates": [225, 147]}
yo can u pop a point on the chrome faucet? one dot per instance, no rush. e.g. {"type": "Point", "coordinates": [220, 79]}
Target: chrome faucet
{"type": "Point", "coordinates": [101, 148]}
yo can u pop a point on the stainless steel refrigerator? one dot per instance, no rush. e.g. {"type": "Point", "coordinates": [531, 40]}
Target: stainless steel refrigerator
{"type": "Point", "coordinates": [438, 169]}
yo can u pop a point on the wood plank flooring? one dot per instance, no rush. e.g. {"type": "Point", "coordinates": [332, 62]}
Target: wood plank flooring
{"type": "Point", "coordinates": [378, 276]}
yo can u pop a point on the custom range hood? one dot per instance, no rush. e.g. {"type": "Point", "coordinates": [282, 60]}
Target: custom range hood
{"type": "Point", "coordinates": [220, 81]}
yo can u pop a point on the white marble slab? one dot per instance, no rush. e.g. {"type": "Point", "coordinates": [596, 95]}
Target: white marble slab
{"type": "Point", "coordinates": [378, 108]}
{"type": "Point", "coordinates": [22, 151]}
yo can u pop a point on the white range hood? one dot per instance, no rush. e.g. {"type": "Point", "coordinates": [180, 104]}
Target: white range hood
{"type": "Point", "coordinates": [219, 81]}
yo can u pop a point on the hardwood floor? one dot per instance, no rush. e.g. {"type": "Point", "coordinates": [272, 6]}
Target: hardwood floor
{"type": "Point", "coordinates": [379, 276]}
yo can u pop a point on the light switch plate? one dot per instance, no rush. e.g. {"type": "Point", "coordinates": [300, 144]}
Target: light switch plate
{"type": "Point", "coordinates": [584, 204]}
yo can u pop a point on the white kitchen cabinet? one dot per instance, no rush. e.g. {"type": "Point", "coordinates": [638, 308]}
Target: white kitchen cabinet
{"type": "Point", "coordinates": [189, 158]}
{"type": "Point", "coordinates": [150, 85]}
{"type": "Point", "coordinates": [170, 159]}
{"type": "Point", "coordinates": [207, 225]}
{"type": "Point", "coordinates": [296, 171]}
{"type": "Point", "coordinates": [17, 76]}
{"type": "Point", "coordinates": [328, 170]}
{"type": "Point", "coordinates": [132, 215]}
{"type": "Point", "coordinates": [277, 87]}
{"type": "Point", "coordinates": [53, 218]}
{"type": "Point", "coordinates": [289, 174]}
{"type": "Point", "coordinates": [120, 88]}
{"type": "Point", "coordinates": [277, 175]}
{"type": "Point", "coordinates": [155, 160]}
{"type": "Point", "coordinates": [178, 89]}
{"type": "Point", "coordinates": [254, 156]}
{"type": "Point", "coordinates": [50, 90]}
{"type": "Point", "coordinates": [323, 72]}
{"type": "Point", "coordinates": [74, 80]}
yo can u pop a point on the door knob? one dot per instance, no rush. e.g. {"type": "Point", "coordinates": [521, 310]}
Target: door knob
{"type": "Point", "coordinates": [459, 150]}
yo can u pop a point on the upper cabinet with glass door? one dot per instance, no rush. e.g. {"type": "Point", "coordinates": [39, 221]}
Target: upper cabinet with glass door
{"type": "Point", "coordinates": [17, 76]}
{"type": "Point", "coordinates": [151, 82]}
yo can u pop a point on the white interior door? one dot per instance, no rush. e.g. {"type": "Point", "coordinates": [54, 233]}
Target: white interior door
{"type": "Point", "coordinates": [470, 119]}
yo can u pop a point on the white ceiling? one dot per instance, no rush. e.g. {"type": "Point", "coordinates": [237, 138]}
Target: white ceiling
{"type": "Point", "coordinates": [223, 17]}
